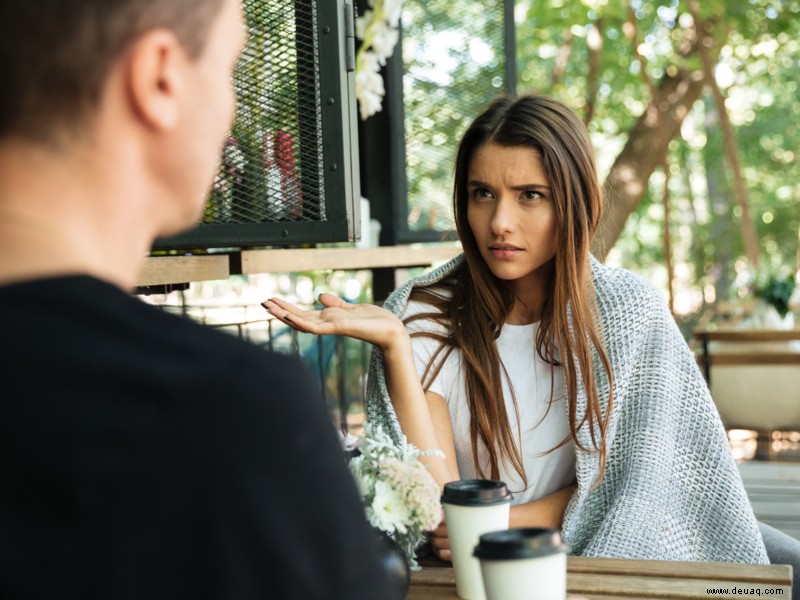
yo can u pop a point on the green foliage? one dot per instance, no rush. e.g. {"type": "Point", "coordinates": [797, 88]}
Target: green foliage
{"type": "Point", "coordinates": [775, 290]}
{"type": "Point", "coordinates": [756, 43]}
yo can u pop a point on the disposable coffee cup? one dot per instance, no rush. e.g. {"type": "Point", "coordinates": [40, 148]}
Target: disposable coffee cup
{"type": "Point", "coordinates": [472, 507]}
{"type": "Point", "coordinates": [523, 564]}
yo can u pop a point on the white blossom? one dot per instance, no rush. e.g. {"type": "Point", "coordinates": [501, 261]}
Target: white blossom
{"type": "Point", "coordinates": [369, 86]}
{"type": "Point", "coordinates": [389, 512]}
{"type": "Point", "coordinates": [384, 42]}
{"type": "Point", "coordinates": [378, 31]}
{"type": "Point", "coordinates": [362, 23]}
{"type": "Point", "coordinates": [392, 10]}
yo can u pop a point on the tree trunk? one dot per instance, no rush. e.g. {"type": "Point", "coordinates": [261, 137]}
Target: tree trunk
{"type": "Point", "coordinates": [749, 234]}
{"type": "Point", "coordinates": [668, 239]}
{"type": "Point", "coordinates": [721, 228]}
{"type": "Point", "coordinates": [563, 58]}
{"type": "Point", "coordinates": [594, 39]}
{"type": "Point", "coordinates": [645, 150]}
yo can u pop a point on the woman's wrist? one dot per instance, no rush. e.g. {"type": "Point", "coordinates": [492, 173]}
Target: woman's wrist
{"type": "Point", "coordinates": [398, 343]}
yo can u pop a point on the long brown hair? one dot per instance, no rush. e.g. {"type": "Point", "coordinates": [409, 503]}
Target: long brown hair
{"type": "Point", "coordinates": [473, 303]}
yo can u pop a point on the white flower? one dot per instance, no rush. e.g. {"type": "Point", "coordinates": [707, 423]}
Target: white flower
{"type": "Point", "coordinates": [384, 42]}
{"type": "Point", "coordinates": [362, 23]}
{"type": "Point", "coordinates": [369, 79]}
{"type": "Point", "coordinates": [388, 510]}
{"type": "Point", "coordinates": [378, 31]}
{"type": "Point", "coordinates": [392, 10]}
{"type": "Point", "coordinates": [369, 104]}
{"type": "Point", "coordinates": [369, 86]}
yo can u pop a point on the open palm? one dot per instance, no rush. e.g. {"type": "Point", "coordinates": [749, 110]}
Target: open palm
{"type": "Point", "coordinates": [365, 322]}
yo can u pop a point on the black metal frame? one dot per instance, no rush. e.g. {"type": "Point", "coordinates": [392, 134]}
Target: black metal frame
{"type": "Point", "coordinates": [339, 148]}
{"type": "Point", "coordinates": [384, 173]}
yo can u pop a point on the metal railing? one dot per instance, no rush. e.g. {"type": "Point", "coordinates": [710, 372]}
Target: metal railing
{"type": "Point", "coordinates": [339, 363]}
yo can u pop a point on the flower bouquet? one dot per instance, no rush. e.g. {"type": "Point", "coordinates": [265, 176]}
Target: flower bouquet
{"type": "Point", "coordinates": [400, 497]}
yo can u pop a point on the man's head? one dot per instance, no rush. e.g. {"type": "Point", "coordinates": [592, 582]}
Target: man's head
{"type": "Point", "coordinates": [55, 55]}
{"type": "Point", "coordinates": [145, 85]}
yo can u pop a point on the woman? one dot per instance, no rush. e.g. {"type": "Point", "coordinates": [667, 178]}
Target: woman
{"type": "Point", "coordinates": [526, 360]}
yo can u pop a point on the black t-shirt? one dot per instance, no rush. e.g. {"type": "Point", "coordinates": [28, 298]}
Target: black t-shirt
{"type": "Point", "coordinates": [144, 456]}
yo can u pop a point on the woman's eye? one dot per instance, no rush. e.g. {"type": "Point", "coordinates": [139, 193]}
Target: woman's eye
{"type": "Point", "coordinates": [531, 195]}
{"type": "Point", "coordinates": [481, 194]}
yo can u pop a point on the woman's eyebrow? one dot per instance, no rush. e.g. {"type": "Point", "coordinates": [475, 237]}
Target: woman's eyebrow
{"type": "Point", "coordinates": [522, 187]}
{"type": "Point", "coordinates": [531, 186]}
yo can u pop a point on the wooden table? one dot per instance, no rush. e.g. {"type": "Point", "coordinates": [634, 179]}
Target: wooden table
{"type": "Point", "coordinates": [615, 579]}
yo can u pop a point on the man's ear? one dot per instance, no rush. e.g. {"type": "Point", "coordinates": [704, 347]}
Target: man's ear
{"type": "Point", "coordinates": [154, 77]}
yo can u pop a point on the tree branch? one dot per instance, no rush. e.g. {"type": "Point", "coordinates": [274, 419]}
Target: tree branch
{"type": "Point", "coordinates": [562, 59]}
{"type": "Point", "coordinates": [644, 151]}
{"type": "Point", "coordinates": [594, 40]}
{"type": "Point", "coordinates": [631, 32]}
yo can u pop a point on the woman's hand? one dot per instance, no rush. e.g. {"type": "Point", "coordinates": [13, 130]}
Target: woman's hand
{"type": "Point", "coordinates": [365, 322]}
{"type": "Point", "coordinates": [441, 543]}
{"type": "Point", "coordinates": [547, 511]}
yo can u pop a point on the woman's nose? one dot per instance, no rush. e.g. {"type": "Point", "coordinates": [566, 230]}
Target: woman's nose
{"type": "Point", "coordinates": [502, 218]}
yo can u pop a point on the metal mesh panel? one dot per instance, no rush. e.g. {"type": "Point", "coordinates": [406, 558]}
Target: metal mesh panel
{"type": "Point", "coordinates": [453, 54]}
{"type": "Point", "coordinates": [272, 166]}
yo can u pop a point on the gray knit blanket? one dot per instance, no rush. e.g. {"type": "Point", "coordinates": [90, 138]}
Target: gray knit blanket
{"type": "Point", "coordinates": [671, 489]}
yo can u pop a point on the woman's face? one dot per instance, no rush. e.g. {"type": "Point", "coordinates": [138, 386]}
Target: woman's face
{"type": "Point", "coordinates": [511, 214]}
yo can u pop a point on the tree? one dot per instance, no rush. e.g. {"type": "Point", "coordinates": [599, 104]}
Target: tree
{"type": "Point", "coordinates": [647, 111]}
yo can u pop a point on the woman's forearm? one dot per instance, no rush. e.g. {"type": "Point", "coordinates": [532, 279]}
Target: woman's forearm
{"type": "Point", "coordinates": [421, 423]}
{"type": "Point", "coordinates": [547, 511]}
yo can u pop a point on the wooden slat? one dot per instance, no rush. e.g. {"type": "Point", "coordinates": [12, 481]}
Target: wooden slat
{"type": "Point", "coordinates": [162, 270]}
{"type": "Point", "coordinates": [772, 574]}
{"type": "Point", "coordinates": [754, 358]}
{"type": "Point", "coordinates": [784, 474]}
{"type": "Point", "coordinates": [774, 492]}
{"type": "Point", "coordinates": [638, 586]}
{"type": "Point", "coordinates": [424, 592]}
{"type": "Point", "coordinates": [439, 593]}
{"type": "Point", "coordinates": [748, 335]}
{"type": "Point", "coordinates": [310, 259]}
{"type": "Point", "coordinates": [608, 578]}
{"type": "Point", "coordinates": [435, 572]}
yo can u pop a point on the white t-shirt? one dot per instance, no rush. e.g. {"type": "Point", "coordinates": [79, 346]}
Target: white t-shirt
{"type": "Point", "coordinates": [541, 429]}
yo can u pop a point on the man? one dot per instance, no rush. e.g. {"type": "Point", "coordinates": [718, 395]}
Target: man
{"type": "Point", "coordinates": [142, 455]}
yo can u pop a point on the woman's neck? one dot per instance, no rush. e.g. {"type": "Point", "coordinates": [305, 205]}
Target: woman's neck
{"type": "Point", "coordinates": [529, 298]}
{"type": "Point", "coordinates": [524, 314]}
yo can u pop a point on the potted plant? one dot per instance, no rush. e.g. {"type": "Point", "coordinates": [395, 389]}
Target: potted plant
{"type": "Point", "coordinates": [774, 291]}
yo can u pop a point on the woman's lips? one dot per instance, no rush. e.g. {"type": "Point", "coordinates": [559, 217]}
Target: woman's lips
{"type": "Point", "coordinates": [504, 251]}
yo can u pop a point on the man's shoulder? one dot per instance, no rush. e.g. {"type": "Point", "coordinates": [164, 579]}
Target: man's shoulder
{"type": "Point", "coordinates": [97, 328]}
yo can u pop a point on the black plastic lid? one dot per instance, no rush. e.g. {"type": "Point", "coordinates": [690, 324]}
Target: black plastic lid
{"type": "Point", "coordinates": [520, 543]}
{"type": "Point", "coordinates": [475, 492]}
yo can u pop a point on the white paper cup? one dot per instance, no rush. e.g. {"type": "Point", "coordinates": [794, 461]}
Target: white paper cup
{"type": "Point", "coordinates": [472, 507]}
{"type": "Point", "coordinates": [523, 564]}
